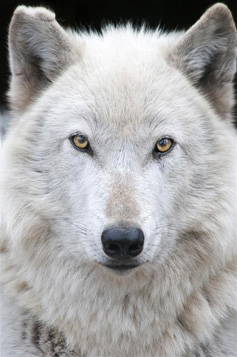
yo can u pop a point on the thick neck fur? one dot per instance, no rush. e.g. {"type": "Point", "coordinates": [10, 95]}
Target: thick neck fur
{"type": "Point", "coordinates": [184, 301]}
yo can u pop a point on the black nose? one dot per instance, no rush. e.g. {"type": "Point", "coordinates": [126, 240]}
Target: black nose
{"type": "Point", "coordinates": [122, 242]}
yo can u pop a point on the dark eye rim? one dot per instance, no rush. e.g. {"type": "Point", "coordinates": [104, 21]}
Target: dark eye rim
{"type": "Point", "coordinates": [87, 149]}
{"type": "Point", "coordinates": [157, 153]}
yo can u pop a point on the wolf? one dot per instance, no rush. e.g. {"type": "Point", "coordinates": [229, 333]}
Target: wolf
{"type": "Point", "coordinates": [118, 190]}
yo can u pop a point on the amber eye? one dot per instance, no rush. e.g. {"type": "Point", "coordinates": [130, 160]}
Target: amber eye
{"type": "Point", "coordinates": [80, 141]}
{"type": "Point", "coordinates": [164, 145]}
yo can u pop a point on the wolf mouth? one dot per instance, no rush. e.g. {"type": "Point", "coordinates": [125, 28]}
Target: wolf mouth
{"type": "Point", "coordinates": [121, 268]}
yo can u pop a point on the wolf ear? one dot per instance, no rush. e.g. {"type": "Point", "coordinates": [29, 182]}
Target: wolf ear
{"type": "Point", "coordinates": [207, 55]}
{"type": "Point", "coordinates": [39, 49]}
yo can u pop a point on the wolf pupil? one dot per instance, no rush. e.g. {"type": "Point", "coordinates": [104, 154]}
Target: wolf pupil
{"type": "Point", "coordinates": [81, 139]}
{"type": "Point", "coordinates": [163, 142]}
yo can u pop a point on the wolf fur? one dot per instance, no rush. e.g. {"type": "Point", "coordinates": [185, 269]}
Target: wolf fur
{"type": "Point", "coordinates": [4, 122]}
{"type": "Point", "coordinates": [124, 89]}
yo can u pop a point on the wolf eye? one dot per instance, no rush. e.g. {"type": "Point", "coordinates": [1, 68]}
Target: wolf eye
{"type": "Point", "coordinates": [164, 145]}
{"type": "Point", "coordinates": [80, 142]}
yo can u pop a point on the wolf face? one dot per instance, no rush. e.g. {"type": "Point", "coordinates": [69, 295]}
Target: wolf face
{"type": "Point", "coordinates": [120, 152]}
{"type": "Point", "coordinates": [124, 104]}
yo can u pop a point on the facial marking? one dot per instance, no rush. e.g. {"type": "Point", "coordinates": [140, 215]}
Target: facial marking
{"type": "Point", "coordinates": [122, 205]}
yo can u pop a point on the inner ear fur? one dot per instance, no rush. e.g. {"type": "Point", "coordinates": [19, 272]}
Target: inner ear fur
{"type": "Point", "coordinates": [39, 50]}
{"type": "Point", "coordinates": [206, 54]}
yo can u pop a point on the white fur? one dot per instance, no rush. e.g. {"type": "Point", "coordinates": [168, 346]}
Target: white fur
{"type": "Point", "coordinates": [124, 89]}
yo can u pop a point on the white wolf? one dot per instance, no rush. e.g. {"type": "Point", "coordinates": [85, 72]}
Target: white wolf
{"type": "Point", "coordinates": [118, 191]}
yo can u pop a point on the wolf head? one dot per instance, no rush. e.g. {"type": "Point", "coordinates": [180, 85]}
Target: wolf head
{"type": "Point", "coordinates": [120, 158]}
{"type": "Point", "coordinates": [149, 108]}
{"type": "Point", "coordinates": [122, 143]}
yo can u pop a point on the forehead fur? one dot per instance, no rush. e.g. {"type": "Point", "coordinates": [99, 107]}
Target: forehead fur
{"type": "Point", "coordinates": [123, 41]}
{"type": "Point", "coordinates": [124, 79]}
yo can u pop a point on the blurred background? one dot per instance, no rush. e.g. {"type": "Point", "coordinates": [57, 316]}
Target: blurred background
{"type": "Point", "coordinates": [169, 14]}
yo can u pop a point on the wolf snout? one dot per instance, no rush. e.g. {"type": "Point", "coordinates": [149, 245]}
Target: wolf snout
{"type": "Point", "coordinates": [122, 242]}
